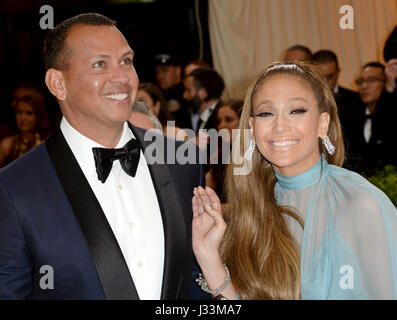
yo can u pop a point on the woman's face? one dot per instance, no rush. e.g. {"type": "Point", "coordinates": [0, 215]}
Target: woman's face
{"type": "Point", "coordinates": [143, 96]}
{"type": "Point", "coordinates": [228, 119]}
{"type": "Point", "coordinates": [25, 117]}
{"type": "Point", "coordinates": [287, 123]}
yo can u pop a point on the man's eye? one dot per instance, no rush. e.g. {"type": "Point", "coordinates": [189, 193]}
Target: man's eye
{"type": "Point", "coordinates": [127, 61]}
{"type": "Point", "coordinates": [99, 64]}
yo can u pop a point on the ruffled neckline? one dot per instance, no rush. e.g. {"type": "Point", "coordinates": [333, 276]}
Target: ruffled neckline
{"type": "Point", "coordinates": [305, 179]}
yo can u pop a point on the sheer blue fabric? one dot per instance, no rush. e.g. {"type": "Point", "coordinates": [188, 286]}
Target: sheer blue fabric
{"type": "Point", "coordinates": [349, 242]}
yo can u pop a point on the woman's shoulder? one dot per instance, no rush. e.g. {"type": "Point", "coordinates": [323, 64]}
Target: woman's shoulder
{"type": "Point", "coordinates": [7, 142]}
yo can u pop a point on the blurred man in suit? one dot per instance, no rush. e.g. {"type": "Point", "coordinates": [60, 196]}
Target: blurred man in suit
{"type": "Point", "coordinates": [377, 118]}
{"type": "Point", "coordinates": [348, 102]}
{"type": "Point", "coordinates": [203, 91]}
{"type": "Point", "coordinates": [298, 52]}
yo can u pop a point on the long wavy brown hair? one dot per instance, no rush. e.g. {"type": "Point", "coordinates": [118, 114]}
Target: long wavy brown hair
{"type": "Point", "coordinates": [258, 248]}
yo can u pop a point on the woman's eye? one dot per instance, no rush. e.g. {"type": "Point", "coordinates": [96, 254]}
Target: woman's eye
{"type": "Point", "coordinates": [264, 114]}
{"type": "Point", "coordinates": [99, 64]}
{"type": "Point", "coordinates": [298, 111]}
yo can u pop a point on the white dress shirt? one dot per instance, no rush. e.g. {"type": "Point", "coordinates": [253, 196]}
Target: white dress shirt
{"type": "Point", "coordinates": [204, 116]}
{"type": "Point", "coordinates": [131, 207]}
{"type": "Point", "coordinates": [367, 127]}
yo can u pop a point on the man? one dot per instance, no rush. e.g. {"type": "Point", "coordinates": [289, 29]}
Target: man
{"type": "Point", "coordinates": [377, 118]}
{"type": "Point", "coordinates": [348, 103]}
{"type": "Point", "coordinates": [193, 65]}
{"type": "Point", "coordinates": [203, 91]}
{"type": "Point", "coordinates": [298, 53]}
{"type": "Point", "coordinates": [168, 72]}
{"type": "Point", "coordinates": [79, 221]}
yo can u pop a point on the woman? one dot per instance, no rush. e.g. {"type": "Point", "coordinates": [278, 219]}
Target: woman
{"type": "Point", "coordinates": [298, 225]}
{"type": "Point", "coordinates": [227, 123]}
{"type": "Point", "coordinates": [155, 101]}
{"type": "Point", "coordinates": [33, 126]}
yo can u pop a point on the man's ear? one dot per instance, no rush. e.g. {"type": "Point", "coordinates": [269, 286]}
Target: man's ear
{"type": "Point", "coordinates": [55, 83]}
{"type": "Point", "coordinates": [323, 124]}
{"type": "Point", "coordinates": [202, 93]}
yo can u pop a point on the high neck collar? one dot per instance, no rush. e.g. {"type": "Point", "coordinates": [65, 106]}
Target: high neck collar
{"type": "Point", "coordinates": [304, 179]}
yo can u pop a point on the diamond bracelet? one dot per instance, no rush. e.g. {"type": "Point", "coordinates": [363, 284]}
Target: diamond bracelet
{"type": "Point", "coordinates": [204, 286]}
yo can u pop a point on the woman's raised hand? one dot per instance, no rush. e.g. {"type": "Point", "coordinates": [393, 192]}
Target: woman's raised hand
{"type": "Point", "coordinates": [208, 223]}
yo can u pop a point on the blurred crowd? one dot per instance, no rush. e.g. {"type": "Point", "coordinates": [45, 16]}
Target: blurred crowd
{"type": "Point", "coordinates": [185, 99]}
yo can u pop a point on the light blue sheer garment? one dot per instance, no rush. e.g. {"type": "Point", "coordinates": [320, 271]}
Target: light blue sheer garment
{"type": "Point", "coordinates": [349, 243]}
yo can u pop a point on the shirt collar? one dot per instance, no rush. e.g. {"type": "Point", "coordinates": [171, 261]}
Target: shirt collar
{"type": "Point", "coordinates": [207, 112]}
{"type": "Point", "coordinates": [81, 146]}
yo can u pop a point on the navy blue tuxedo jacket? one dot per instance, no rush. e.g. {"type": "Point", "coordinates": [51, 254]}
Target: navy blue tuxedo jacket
{"type": "Point", "coordinates": [49, 216]}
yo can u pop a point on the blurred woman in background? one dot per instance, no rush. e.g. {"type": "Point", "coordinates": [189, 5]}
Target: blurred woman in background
{"type": "Point", "coordinates": [151, 95]}
{"type": "Point", "coordinates": [227, 120]}
{"type": "Point", "coordinates": [33, 128]}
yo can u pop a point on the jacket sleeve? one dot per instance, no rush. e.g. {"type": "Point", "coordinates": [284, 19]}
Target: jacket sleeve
{"type": "Point", "coordinates": [15, 259]}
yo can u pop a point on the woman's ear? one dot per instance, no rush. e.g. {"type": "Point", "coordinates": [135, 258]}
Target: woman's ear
{"type": "Point", "coordinates": [251, 124]}
{"type": "Point", "coordinates": [55, 83]}
{"type": "Point", "coordinates": [323, 124]}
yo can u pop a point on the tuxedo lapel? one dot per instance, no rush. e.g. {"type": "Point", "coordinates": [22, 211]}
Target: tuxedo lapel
{"type": "Point", "coordinates": [108, 259]}
{"type": "Point", "coordinates": [173, 222]}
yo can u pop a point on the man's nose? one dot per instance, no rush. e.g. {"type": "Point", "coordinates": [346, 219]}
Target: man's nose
{"type": "Point", "coordinates": [119, 74]}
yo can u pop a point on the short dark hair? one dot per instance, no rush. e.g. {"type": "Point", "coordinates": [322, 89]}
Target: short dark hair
{"type": "Point", "coordinates": [374, 64]}
{"type": "Point", "coordinates": [304, 49]}
{"type": "Point", "coordinates": [56, 54]}
{"type": "Point", "coordinates": [210, 80]}
{"type": "Point", "coordinates": [325, 56]}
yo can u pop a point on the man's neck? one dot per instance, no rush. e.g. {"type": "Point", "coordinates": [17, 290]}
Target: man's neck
{"type": "Point", "coordinates": [371, 106]}
{"type": "Point", "coordinates": [206, 105]}
{"type": "Point", "coordinates": [107, 136]}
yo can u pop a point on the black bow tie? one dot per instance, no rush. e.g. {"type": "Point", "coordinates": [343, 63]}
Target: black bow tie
{"type": "Point", "coordinates": [128, 156]}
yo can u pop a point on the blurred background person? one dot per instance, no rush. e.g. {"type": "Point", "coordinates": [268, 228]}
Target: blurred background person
{"type": "Point", "coordinates": [31, 89]}
{"type": "Point", "coordinates": [143, 117]}
{"type": "Point", "coordinates": [348, 103]}
{"type": "Point", "coordinates": [151, 95]}
{"type": "Point", "coordinates": [203, 91]}
{"type": "Point", "coordinates": [33, 128]}
{"type": "Point", "coordinates": [298, 52]}
{"type": "Point", "coordinates": [377, 118]}
{"type": "Point", "coordinates": [168, 73]}
{"type": "Point", "coordinates": [227, 120]}
{"type": "Point", "coordinates": [195, 64]}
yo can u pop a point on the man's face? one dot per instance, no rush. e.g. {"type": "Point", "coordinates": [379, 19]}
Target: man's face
{"type": "Point", "coordinates": [191, 94]}
{"type": "Point", "coordinates": [371, 84]}
{"type": "Point", "coordinates": [295, 55]}
{"type": "Point", "coordinates": [101, 82]}
{"type": "Point", "coordinates": [330, 73]}
{"type": "Point", "coordinates": [167, 76]}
